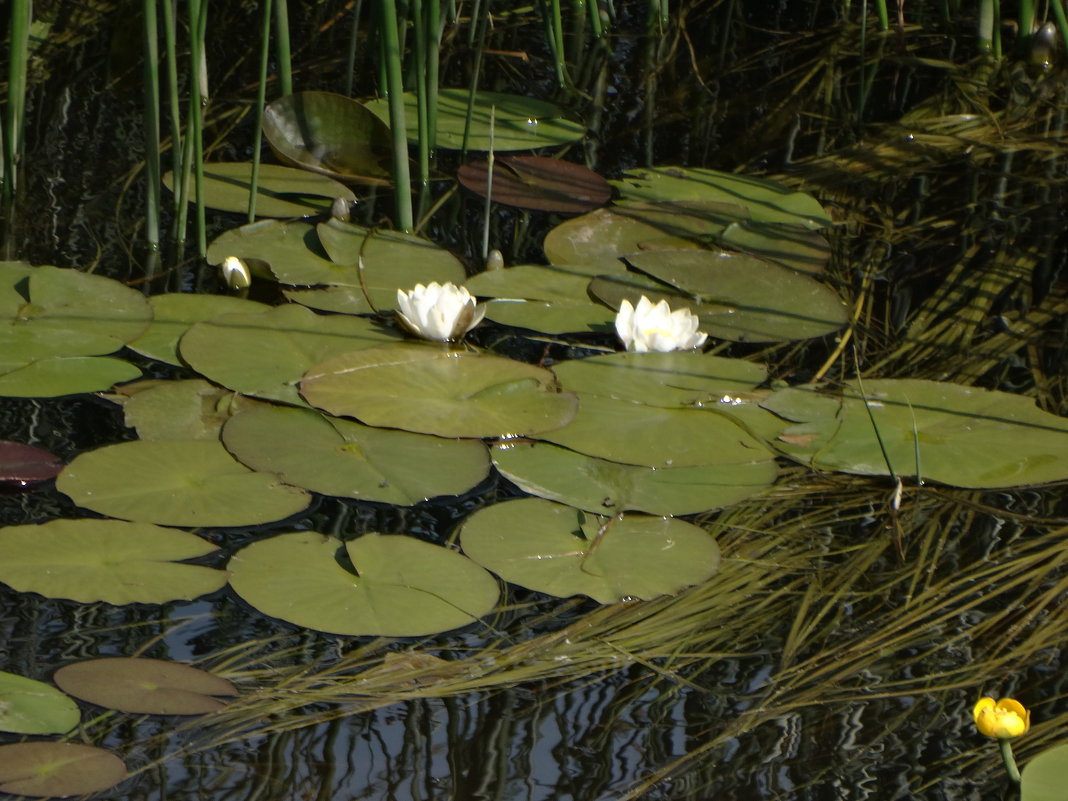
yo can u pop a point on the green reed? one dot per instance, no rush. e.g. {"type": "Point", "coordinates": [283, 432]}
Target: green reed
{"type": "Point", "coordinates": [152, 115]}
{"type": "Point", "coordinates": [261, 97]}
{"type": "Point", "coordinates": [285, 59]}
{"type": "Point", "coordinates": [391, 51]}
{"type": "Point", "coordinates": [14, 120]}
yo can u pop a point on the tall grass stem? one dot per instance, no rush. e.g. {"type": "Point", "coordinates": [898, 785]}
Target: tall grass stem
{"type": "Point", "coordinates": [261, 98]}
{"type": "Point", "coordinates": [285, 60]}
{"type": "Point", "coordinates": [14, 120]}
{"type": "Point", "coordinates": [151, 116]}
{"type": "Point", "coordinates": [388, 24]}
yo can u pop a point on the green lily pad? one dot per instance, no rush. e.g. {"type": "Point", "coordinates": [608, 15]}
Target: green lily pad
{"type": "Point", "coordinates": [793, 246]}
{"type": "Point", "coordinates": [57, 769]}
{"type": "Point", "coordinates": [633, 433]}
{"type": "Point", "coordinates": [519, 123]}
{"type": "Point", "coordinates": [766, 200]}
{"type": "Point", "coordinates": [402, 587]}
{"type": "Point", "coordinates": [54, 376]}
{"type": "Point", "coordinates": [181, 410]}
{"type": "Point", "coordinates": [330, 134]}
{"type": "Point", "coordinates": [174, 313]}
{"type": "Point", "coordinates": [266, 354]}
{"type": "Point", "coordinates": [280, 191]}
{"type": "Point", "coordinates": [434, 390]}
{"type": "Point", "coordinates": [561, 551]}
{"type": "Point", "coordinates": [106, 560]}
{"type": "Point", "coordinates": [195, 483]}
{"type": "Point", "coordinates": [736, 297]}
{"type": "Point", "coordinates": [538, 182]}
{"type": "Point", "coordinates": [291, 250]}
{"type": "Point", "coordinates": [28, 706]}
{"type": "Point", "coordinates": [144, 686]}
{"type": "Point", "coordinates": [958, 435]}
{"type": "Point", "coordinates": [1044, 777]}
{"type": "Point", "coordinates": [556, 317]}
{"type": "Point", "coordinates": [342, 457]}
{"type": "Point", "coordinates": [603, 487]}
{"type": "Point", "coordinates": [679, 378]}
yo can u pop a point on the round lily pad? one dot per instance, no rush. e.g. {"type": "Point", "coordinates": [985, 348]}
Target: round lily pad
{"type": "Point", "coordinates": [538, 182]}
{"type": "Point", "coordinates": [342, 457]}
{"type": "Point", "coordinates": [182, 410]}
{"type": "Point", "coordinates": [402, 587]}
{"type": "Point", "coordinates": [192, 483]}
{"type": "Point", "coordinates": [603, 487]}
{"type": "Point", "coordinates": [51, 377]}
{"type": "Point", "coordinates": [331, 134]}
{"type": "Point", "coordinates": [24, 464]}
{"type": "Point", "coordinates": [144, 686]}
{"type": "Point", "coordinates": [636, 434]}
{"type": "Point", "coordinates": [434, 390]}
{"type": "Point", "coordinates": [958, 435]}
{"type": "Point", "coordinates": [174, 313]}
{"type": "Point", "coordinates": [106, 560]}
{"type": "Point", "coordinates": [559, 550]}
{"type": "Point", "coordinates": [28, 706]}
{"type": "Point", "coordinates": [280, 191]}
{"type": "Point", "coordinates": [57, 769]}
{"type": "Point", "coordinates": [266, 354]}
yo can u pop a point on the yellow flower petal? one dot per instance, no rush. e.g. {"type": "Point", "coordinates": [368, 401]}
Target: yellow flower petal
{"type": "Point", "coordinates": [1002, 719]}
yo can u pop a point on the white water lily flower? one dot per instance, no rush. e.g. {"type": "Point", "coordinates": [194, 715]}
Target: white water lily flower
{"type": "Point", "coordinates": [647, 327]}
{"type": "Point", "coordinates": [442, 312]}
{"type": "Point", "coordinates": [235, 273]}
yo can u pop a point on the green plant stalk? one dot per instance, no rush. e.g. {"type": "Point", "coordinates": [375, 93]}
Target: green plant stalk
{"type": "Point", "coordinates": [483, 26]}
{"type": "Point", "coordinates": [554, 35]}
{"type": "Point", "coordinates": [350, 58]}
{"type": "Point", "coordinates": [18, 53]}
{"type": "Point", "coordinates": [261, 97]}
{"type": "Point", "coordinates": [884, 18]}
{"type": "Point", "coordinates": [489, 187]}
{"type": "Point", "coordinates": [419, 52]}
{"type": "Point", "coordinates": [436, 28]}
{"type": "Point", "coordinates": [986, 25]}
{"type": "Point", "coordinates": [177, 165]}
{"type": "Point", "coordinates": [395, 92]}
{"type": "Point", "coordinates": [1027, 22]}
{"type": "Point", "coordinates": [152, 113]}
{"type": "Point", "coordinates": [1059, 16]}
{"type": "Point", "coordinates": [1010, 761]}
{"type": "Point", "coordinates": [198, 23]}
{"type": "Point", "coordinates": [285, 61]}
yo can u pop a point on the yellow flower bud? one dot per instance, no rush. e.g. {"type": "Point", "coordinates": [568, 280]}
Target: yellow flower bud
{"type": "Point", "coordinates": [1002, 719]}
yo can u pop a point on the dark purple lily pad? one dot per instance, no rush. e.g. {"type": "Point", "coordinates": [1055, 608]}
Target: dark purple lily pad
{"type": "Point", "coordinates": [144, 686]}
{"type": "Point", "coordinates": [538, 182]}
{"type": "Point", "coordinates": [25, 464]}
{"type": "Point", "coordinates": [57, 769]}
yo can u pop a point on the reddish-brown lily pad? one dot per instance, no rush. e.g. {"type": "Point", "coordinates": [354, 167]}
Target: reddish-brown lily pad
{"type": "Point", "coordinates": [57, 769]}
{"type": "Point", "coordinates": [24, 463]}
{"type": "Point", "coordinates": [144, 686]}
{"type": "Point", "coordinates": [538, 182]}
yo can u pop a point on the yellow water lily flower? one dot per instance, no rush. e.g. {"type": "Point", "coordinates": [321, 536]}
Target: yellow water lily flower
{"type": "Point", "coordinates": [1002, 719]}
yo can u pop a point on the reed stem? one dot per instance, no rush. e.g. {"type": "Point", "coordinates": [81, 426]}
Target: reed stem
{"type": "Point", "coordinates": [14, 121]}
{"type": "Point", "coordinates": [261, 97]}
{"type": "Point", "coordinates": [388, 23]}
{"type": "Point", "coordinates": [151, 115]}
{"type": "Point", "coordinates": [285, 61]}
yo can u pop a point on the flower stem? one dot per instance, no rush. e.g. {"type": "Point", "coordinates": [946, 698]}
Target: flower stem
{"type": "Point", "coordinates": [1010, 762]}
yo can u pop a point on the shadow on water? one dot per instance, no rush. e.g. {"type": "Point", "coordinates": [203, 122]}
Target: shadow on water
{"type": "Point", "coordinates": [841, 650]}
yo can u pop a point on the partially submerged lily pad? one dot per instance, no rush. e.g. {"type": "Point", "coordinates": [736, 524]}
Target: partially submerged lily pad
{"type": "Point", "coordinates": [330, 134]}
{"type": "Point", "coordinates": [519, 123]}
{"type": "Point", "coordinates": [57, 769]}
{"type": "Point", "coordinates": [402, 587]}
{"type": "Point", "coordinates": [342, 457]}
{"type": "Point", "coordinates": [182, 410]}
{"type": "Point", "coordinates": [604, 487]}
{"type": "Point", "coordinates": [25, 464]}
{"type": "Point", "coordinates": [434, 390]}
{"type": "Point", "coordinates": [538, 182]}
{"type": "Point", "coordinates": [280, 191]}
{"type": "Point", "coordinates": [106, 560]}
{"type": "Point", "coordinates": [958, 435]}
{"type": "Point", "coordinates": [28, 706]}
{"type": "Point", "coordinates": [562, 551]}
{"type": "Point", "coordinates": [193, 483]}
{"type": "Point", "coordinates": [145, 686]}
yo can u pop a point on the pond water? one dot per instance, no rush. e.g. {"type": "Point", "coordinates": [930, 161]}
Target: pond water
{"type": "Point", "coordinates": [840, 650]}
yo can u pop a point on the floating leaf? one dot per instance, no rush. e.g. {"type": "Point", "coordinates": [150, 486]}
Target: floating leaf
{"type": "Point", "coordinates": [1045, 776]}
{"type": "Point", "coordinates": [280, 191]}
{"type": "Point", "coordinates": [266, 354]}
{"type": "Point", "coordinates": [57, 769]}
{"type": "Point", "coordinates": [959, 435]}
{"type": "Point", "coordinates": [636, 434]}
{"type": "Point", "coordinates": [604, 487]}
{"type": "Point", "coordinates": [519, 123]}
{"type": "Point", "coordinates": [538, 182]}
{"type": "Point", "coordinates": [174, 313]}
{"type": "Point", "coordinates": [144, 686]}
{"type": "Point", "coordinates": [33, 707]}
{"type": "Point", "coordinates": [435, 390]}
{"type": "Point", "coordinates": [561, 551]}
{"type": "Point", "coordinates": [556, 317]}
{"type": "Point", "coordinates": [341, 457]}
{"type": "Point", "coordinates": [292, 251]}
{"type": "Point", "coordinates": [195, 483]}
{"type": "Point", "coordinates": [330, 134]}
{"type": "Point", "coordinates": [106, 560]}
{"type": "Point", "coordinates": [25, 464]}
{"type": "Point", "coordinates": [54, 376]}
{"type": "Point", "coordinates": [402, 587]}
{"type": "Point", "coordinates": [766, 200]}
{"type": "Point", "coordinates": [679, 378]}
{"type": "Point", "coordinates": [182, 410]}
